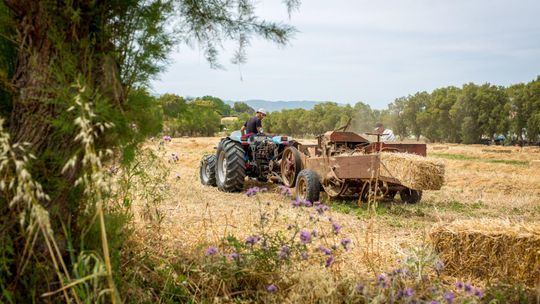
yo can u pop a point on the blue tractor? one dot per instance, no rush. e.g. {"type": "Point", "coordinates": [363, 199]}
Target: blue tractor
{"type": "Point", "coordinates": [260, 156]}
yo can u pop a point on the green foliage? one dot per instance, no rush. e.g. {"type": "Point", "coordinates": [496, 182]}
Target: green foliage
{"type": "Point", "coordinates": [242, 107]}
{"type": "Point", "coordinates": [198, 117]}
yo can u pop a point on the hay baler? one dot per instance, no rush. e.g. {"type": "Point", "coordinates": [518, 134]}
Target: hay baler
{"type": "Point", "coordinates": [345, 164]}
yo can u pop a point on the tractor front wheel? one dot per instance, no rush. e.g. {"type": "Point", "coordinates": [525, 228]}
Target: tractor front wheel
{"type": "Point", "coordinates": [207, 171]}
{"type": "Point", "coordinates": [308, 186]}
{"type": "Point", "coordinates": [230, 167]}
{"type": "Point", "coordinates": [410, 196]}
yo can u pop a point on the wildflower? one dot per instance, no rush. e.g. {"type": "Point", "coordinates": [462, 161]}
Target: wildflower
{"type": "Point", "coordinates": [329, 261]}
{"type": "Point", "coordinates": [468, 288]}
{"type": "Point", "coordinates": [272, 288]}
{"type": "Point", "coordinates": [285, 191]}
{"type": "Point", "coordinates": [408, 292]}
{"type": "Point", "coordinates": [252, 239]}
{"type": "Point", "coordinates": [113, 170]}
{"type": "Point", "coordinates": [234, 256]}
{"type": "Point", "coordinates": [211, 250]}
{"type": "Point", "coordinates": [296, 203]}
{"type": "Point", "coordinates": [175, 157]}
{"type": "Point", "coordinates": [449, 297]}
{"type": "Point", "coordinates": [325, 250]}
{"type": "Point", "coordinates": [478, 293]}
{"type": "Point", "coordinates": [345, 243]}
{"type": "Point", "coordinates": [252, 191]}
{"type": "Point", "coordinates": [305, 237]}
{"type": "Point", "coordinates": [397, 271]}
{"type": "Point", "coordinates": [316, 203]}
{"type": "Point", "coordinates": [459, 285]}
{"type": "Point", "coordinates": [304, 255]}
{"type": "Point", "coordinates": [307, 203]}
{"type": "Point", "coordinates": [359, 288]}
{"type": "Point", "coordinates": [167, 138]}
{"type": "Point", "coordinates": [336, 227]}
{"type": "Point", "coordinates": [434, 302]}
{"type": "Point", "coordinates": [321, 208]}
{"type": "Point", "coordinates": [284, 252]}
{"type": "Point", "coordinates": [439, 266]}
{"type": "Point", "coordinates": [382, 280]}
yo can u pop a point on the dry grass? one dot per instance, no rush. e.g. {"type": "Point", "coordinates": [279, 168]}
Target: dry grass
{"type": "Point", "coordinates": [490, 249]}
{"type": "Point", "coordinates": [197, 216]}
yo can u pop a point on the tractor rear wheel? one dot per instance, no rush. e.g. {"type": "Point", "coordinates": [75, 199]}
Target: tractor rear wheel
{"type": "Point", "coordinates": [291, 164]}
{"type": "Point", "coordinates": [230, 166]}
{"type": "Point", "coordinates": [207, 171]}
{"type": "Point", "coordinates": [410, 196]}
{"type": "Point", "coordinates": [308, 186]}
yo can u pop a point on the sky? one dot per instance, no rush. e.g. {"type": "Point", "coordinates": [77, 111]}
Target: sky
{"type": "Point", "coordinates": [371, 51]}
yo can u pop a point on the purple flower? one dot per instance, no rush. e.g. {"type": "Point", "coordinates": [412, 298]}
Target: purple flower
{"type": "Point", "coordinates": [254, 190]}
{"type": "Point", "coordinates": [468, 287]}
{"type": "Point", "coordinates": [345, 243]}
{"type": "Point", "coordinates": [434, 302]}
{"type": "Point", "coordinates": [211, 250]}
{"type": "Point", "coordinates": [449, 297]}
{"type": "Point", "coordinates": [272, 288]}
{"type": "Point", "coordinates": [336, 227]}
{"type": "Point", "coordinates": [382, 280]}
{"type": "Point", "coordinates": [167, 138]}
{"type": "Point", "coordinates": [439, 266]}
{"type": "Point", "coordinates": [397, 271]}
{"type": "Point", "coordinates": [252, 239]}
{"type": "Point", "coordinates": [321, 208]}
{"type": "Point", "coordinates": [113, 170]}
{"type": "Point", "coordinates": [285, 191]}
{"type": "Point", "coordinates": [478, 293]}
{"type": "Point", "coordinates": [305, 237]}
{"type": "Point", "coordinates": [284, 252]}
{"type": "Point", "coordinates": [307, 203]}
{"type": "Point", "coordinates": [359, 288]}
{"type": "Point", "coordinates": [296, 203]}
{"type": "Point", "coordinates": [304, 255]}
{"type": "Point", "coordinates": [408, 292]}
{"type": "Point", "coordinates": [459, 285]}
{"type": "Point", "coordinates": [329, 261]}
{"type": "Point", "coordinates": [325, 250]}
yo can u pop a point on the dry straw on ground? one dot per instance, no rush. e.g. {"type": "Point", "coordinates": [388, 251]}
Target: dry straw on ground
{"type": "Point", "coordinates": [487, 249]}
{"type": "Point", "coordinates": [413, 171]}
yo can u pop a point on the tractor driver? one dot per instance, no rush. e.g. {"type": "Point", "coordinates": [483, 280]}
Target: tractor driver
{"type": "Point", "coordinates": [254, 124]}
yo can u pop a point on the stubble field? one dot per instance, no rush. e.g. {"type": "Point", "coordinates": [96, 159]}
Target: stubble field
{"type": "Point", "coordinates": [482, 182]}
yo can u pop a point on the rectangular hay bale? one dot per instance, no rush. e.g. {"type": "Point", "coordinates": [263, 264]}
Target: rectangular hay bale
{"type": "Point", "coordinates": [492, 250]}
{"type": "Point", "coordinates": [413, 171]}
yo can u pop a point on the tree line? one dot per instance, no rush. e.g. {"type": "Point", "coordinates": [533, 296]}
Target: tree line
{"type": "Point", "coordinates": [468, 114]}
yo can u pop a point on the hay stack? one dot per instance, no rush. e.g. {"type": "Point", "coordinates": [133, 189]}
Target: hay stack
{"type": "Point", "coordinates": [490, 250]}
{"type": "Point", "coordinates": [413, 171]}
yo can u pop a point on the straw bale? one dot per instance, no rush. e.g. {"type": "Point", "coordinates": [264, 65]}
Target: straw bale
{"type": "Point", "coordinates": [490, 250]}
{"type": "Point", "coordinates": [413, 171]}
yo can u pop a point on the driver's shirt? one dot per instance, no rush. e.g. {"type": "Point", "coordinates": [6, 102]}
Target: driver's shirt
{"type": "Point", "coordinates": [252, 124]}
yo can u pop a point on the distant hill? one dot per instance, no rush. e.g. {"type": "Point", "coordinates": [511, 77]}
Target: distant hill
{"type": "Point", "coordinates": [278, 105]}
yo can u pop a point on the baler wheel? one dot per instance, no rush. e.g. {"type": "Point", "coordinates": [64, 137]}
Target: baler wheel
{"type": "Point", "coordinates": [410, 196]}
{"type": "Point", "coordinates": [308, 186]}
{"type": "Point", "coordinates": [207, 171]}
{"type": "Point", "coordinates": [291, 165]}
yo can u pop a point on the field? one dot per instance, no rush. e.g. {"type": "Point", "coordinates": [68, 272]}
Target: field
{"type": "Point", "coordinates": [482, 182]}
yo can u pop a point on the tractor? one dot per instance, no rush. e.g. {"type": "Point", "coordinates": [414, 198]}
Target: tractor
{"type": "Point", "coordinates": [257, 156]}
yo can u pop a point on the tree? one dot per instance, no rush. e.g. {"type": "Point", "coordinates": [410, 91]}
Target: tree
{"type": "Point", "coordinates": [99, 51]}
{"type": "Point", "coordinates": [242, 107]}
